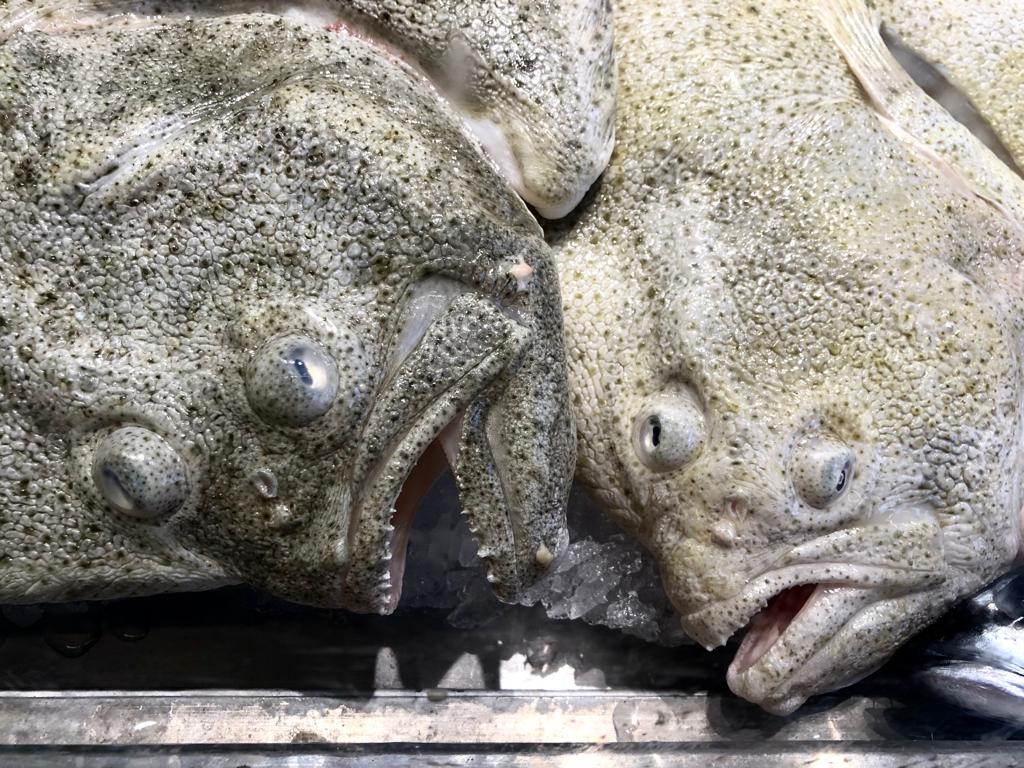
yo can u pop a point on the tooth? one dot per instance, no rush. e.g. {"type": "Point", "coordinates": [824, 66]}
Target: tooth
{"type": "Point", "coordinates": [544, 556]}
{"type": "Point", "coordinates": [523, 274]}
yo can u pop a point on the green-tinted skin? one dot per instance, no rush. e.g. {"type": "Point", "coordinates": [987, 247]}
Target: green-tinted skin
{"type": "Point", "coordinates": [534, 79]}
{"type": "Point", "coordinates": [177, 195]}
{"type": "Point", "coordinates": [794, 237]}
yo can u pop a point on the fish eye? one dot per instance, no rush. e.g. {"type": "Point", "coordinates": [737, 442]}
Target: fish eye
{"type": "Point", "coordinates": [669, 432]}
{"type": "Point", "coordinates": [139, 473]}
{"type": "Point", "coordinates": [821, 470]}
{"type": "Point", "coordinates": [292, 381]}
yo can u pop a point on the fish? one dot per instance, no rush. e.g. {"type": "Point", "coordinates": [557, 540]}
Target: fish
{"type": "Point", "coordinates": [534, 82]}
{"type": "Point", "coordinates": [258, 287]}
{"type": "Point", "coordinates": [793, 316]}
{"type": "Point", "coordinates": [977, 661]}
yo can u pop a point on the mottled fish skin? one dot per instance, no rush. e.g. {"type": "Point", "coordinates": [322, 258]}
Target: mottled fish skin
{"type": "Point", "coordinates": [541, 73]}
{"type": "Point", "coordinates": [535, 81]}
{"type": "Point", "coordinates": [220, 243]}
{"type": "Point", "coordinates": [793, 318]}
{"type": "Point", "coordinates": [979, 46]}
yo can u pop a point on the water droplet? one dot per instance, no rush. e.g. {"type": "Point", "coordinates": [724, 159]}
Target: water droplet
{"type": "Point", "coordinates": [71, 630]}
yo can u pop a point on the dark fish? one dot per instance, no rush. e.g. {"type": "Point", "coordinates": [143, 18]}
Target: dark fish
{"type": "Point", "coordinates": [977, 660]}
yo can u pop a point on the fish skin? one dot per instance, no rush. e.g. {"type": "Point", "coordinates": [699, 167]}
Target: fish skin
{"type": "Point", "coordinates": [803, 266]}
{"type": "Point", "coordinates": [978, 45]}
{"type": "Point", "coordinates": [977, 660]}
{"type": "Point", "coordinates": [534, 81]}
{"type": "Point", "coordinates": [175, 199]}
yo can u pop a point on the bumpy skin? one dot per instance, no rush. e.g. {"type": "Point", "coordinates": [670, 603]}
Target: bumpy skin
{"type": "Point", "coordinates": [535, 80]}
{"type": "Point", "coordinates": [540, 72]}
{"type": "Point", "coordinates": [176, 198]}
{"type": "Point", "coordinates": [979, 45]}
{"type": "Point", "coordinates": [793, 313]}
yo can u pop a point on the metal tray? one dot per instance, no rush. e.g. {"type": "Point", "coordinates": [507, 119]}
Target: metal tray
{"type": "Point", "coordinates": [232, 678]}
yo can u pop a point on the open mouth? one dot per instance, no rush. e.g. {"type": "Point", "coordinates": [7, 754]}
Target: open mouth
{"type": "Point", "coordinates": [452, 381]}
{"type": "Point", "coordinates": [790, 617]}
{"type": "Point", "coordinates": [795, 617]}
{"type": "Point", "coordinates": [770, 623]}
{"type": "Point", "coordinates": [439, 456]}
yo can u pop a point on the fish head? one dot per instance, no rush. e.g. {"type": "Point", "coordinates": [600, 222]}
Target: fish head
{"type": "Point", "coordinates": [800, 461]}
{"type": "Point", "coordinates": [297, 291]}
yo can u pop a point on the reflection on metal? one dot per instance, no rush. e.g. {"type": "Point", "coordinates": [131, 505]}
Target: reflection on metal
{"type": "Point", "coordinates": [934, 756]}
{"type": "Point", "coordinates": [233, 679]}
{"type": "Point", "coordinates": [398, 730]}
{"type": "Point", "coordinates": [451, 717]}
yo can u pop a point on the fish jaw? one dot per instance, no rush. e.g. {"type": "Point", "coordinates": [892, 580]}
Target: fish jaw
{"type": "Point", "coordinates": [495, 422]}
{"type": "Point", "coordinates": [818, 622]}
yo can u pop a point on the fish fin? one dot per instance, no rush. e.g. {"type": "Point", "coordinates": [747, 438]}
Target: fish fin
{"type": "Point", "coordinates": [978, 46]}
{"type": "Point", "coordinates": [920, 123]}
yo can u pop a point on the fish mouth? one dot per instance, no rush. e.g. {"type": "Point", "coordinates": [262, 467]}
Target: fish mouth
{"type": "Point", "coordinates": [788, 617]}
{"type": "Point", "coordinates": [784, 636]}
{"type": "Point", "coordinates": [453, 382]}
{"type": "Point", "coordinates": [795, 618]}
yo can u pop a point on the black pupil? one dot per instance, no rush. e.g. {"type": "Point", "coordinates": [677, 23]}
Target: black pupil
{"type": "Point", "coordinates": [300, 368]}
{"type": "Point", "coordinates": [655, 423]}
{"type": "Point", "coordinates": [842, 480]}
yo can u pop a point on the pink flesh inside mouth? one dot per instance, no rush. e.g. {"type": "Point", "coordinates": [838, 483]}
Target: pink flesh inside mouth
{"type": "Point", "coordinates": [770, 623]}
{"type": "Point", "coordinates": [432, 463]}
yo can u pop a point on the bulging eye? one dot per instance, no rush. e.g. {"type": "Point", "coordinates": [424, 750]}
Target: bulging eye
{"type": "Point", "coordinates": [292, 381]}
{"type": "Point", "coordinates": [669, 432]}
{"type": "Point", "coordinates": [139, 473]}
{"type": "Point", "coordinates": [821, 470]}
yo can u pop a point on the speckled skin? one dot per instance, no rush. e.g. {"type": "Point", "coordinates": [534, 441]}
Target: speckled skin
{"type": "Point", "coordinates": [542, 72]}
{"type": "Point", "coordinates": [534, 79]}
{"type": "Point", "coordinates": [177, 197]}
{"type": "Point", "coordinates": [979, 45]}
{"type": "Point", "coordinates": [796, 263]}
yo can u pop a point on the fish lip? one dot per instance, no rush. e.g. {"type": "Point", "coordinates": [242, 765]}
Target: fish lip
{"type": "Point", "coordinates": [738, 611]}
{"type": "Point", "coordinates": [762, 680]}
{"type": "Point", "coordinates": [770, 685]}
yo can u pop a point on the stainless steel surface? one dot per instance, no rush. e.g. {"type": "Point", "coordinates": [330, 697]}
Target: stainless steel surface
{"type": "Point", "coordinates": [271, 718]}
{"type": "Point", "coordinates": [934, 756]}
{"type": "Point", "coordinates": [231, 679]}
